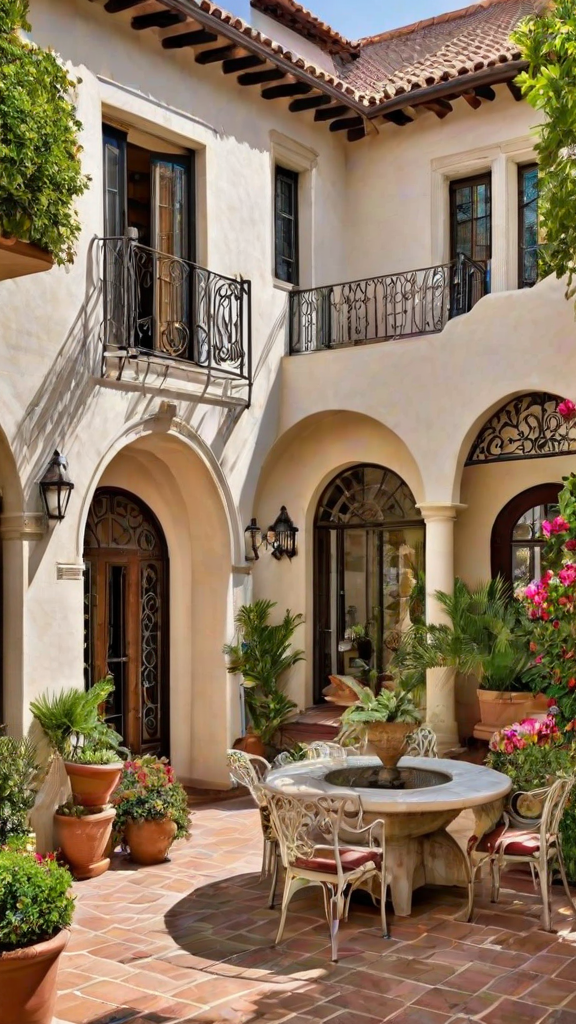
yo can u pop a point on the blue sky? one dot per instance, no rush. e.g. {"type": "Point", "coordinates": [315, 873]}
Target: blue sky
{"type": "Point", "coordinates": [364, 17]}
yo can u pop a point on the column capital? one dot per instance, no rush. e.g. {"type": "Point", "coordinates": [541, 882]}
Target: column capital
{"type": "Point", "coordinates": [432, 510]}
{"type": "Point", "coordinates": [23, 526]}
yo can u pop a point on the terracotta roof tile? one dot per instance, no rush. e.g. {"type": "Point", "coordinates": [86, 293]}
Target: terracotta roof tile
{"type": "Point", "coordinates": [308, 24]}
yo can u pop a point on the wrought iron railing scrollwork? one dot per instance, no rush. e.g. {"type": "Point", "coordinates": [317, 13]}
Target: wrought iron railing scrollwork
{"type": "Point", "coordinates": [384, 308]}
{"type": "Point", "coordinates": [160, 304]}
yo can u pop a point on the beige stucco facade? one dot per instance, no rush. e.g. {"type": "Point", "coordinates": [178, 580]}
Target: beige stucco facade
{"type": "Point", "coordinates": [204, 467]}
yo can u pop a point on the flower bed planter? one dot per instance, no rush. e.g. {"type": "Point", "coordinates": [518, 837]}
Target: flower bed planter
{"type": "Point", "coordinates": [17, 259]}
{"type": "Point", "coordinates": [28, 981]}
{"type": "Point", "coordinates": [84, 841]}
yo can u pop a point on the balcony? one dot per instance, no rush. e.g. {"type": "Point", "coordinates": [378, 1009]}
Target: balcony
{"type": "Point", "coordinates": [169, 323]}
{"type": "Point", "coordinates": [384, 308]}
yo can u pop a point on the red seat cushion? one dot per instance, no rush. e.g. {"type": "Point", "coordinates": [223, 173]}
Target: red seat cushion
{"type": "Point", "coordinates": [350, 859]}
{"type": "Point", "coordinates": [512, 842]}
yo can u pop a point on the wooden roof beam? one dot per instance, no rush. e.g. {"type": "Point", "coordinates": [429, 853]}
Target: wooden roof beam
{"type": "Point", "coordinates": [347, 124]}
{"type": "Point", "coordinates": [485, 92]}
{"type": "Point", "coordinates": [439, 107]}
{"type": "Point", "coordinates": [330, 112]}
{"type": "Point", "coordinates": [158, 19]}
{"type": "Point", "coordinates": [250, 60]}
{"type": "Point", "coordinates": [309, 103]}
{"type": "Point", "coordinates": [399, 117]}
{"type": "Point", "coordinates": [216, 54]}
{"type": "Point", "coordinates": [515, 90]}
{"type": "Point", "coordinates": [117, 6]}
{"type": "Point", "coordinates": [196, 38]}
{"type": "Point", "coordinates": [356, 134]}
{"type": "Point", "coordinates": [472, 100]}
{"type": "Point", "coordinates": [258, 77]}
{"type": "Point", "coordinates": [276, 92]}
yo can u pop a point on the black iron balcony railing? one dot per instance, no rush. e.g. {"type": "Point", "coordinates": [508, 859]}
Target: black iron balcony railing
{"type": "Point", "coordinates": [159, 304]}
{"type": "Point", "coordinates": [384, 308]}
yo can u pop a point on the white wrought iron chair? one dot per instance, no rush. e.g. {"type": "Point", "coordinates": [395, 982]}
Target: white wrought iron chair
{"type": "Point", "coordinates": [308, 830]}
{"type": "Point", "coordinates": [250, 770]}
{"type": "Point", "coordinates": [540, 848]}
{"type": "Point", "coordinates": [319, 750]}
{"type": "Point", "coordinates": [422, 743]}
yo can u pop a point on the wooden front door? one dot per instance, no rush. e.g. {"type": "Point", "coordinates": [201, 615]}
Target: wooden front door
{"type": "Point", "coordinates": [126, 616]}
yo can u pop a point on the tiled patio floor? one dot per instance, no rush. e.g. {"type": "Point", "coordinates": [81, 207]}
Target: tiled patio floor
{"type": "Point", "coordinates": [192, 940]}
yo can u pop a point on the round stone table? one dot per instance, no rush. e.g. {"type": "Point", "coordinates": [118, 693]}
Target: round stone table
{"type": "Point", "coordinates": [419, 850]}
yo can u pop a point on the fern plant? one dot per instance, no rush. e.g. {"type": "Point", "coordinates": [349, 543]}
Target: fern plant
{"type": "Point", "coordinates": [389, 706]}
{"type": "Point", "coordinates": [74, 724]}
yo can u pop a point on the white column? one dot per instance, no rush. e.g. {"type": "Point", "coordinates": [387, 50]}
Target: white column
{"type": "Point", "coordinates": [500, 280]}
{"type": "Point", "coordinates": [440, 683]}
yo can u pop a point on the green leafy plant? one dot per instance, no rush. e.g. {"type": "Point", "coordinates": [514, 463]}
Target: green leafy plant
{"type": "Point", "coordinates": [548, 43]}
{"type": "Point", "coordinates": [74, 724]}
{"type": "Point", "coordinates": [485, 639]}
{"type": "Point", "coordinates": [389, 706]}
{"type": "Point", "coordinates": [18, 772]}
{"type": "Point", "coordinates": [72, 810]}
{"type": "Point", "coordinates": [40, 170]}
{"type": "Point", "coordinates": [35, 901]}
{"type": "Point", "coordinates": [148, 791]}
{"type": "Point", "coordinates": [263, 655]}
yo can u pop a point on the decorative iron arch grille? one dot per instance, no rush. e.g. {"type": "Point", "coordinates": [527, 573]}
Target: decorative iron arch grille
{"type": "Point", "coordinates": [527, 427]}
{"type": "Point", "coordinates": [369, 496]}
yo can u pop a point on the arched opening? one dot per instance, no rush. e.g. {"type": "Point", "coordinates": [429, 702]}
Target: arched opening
{"type": "Point", "coordinates": [126, 616]}
{"type": "Point", "coordinates": [368, 551]}
{"type": "Point", "coordinates": [516, 542]}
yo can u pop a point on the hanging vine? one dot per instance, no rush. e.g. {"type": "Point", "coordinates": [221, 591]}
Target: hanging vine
{"type": "Point", "coordinates": [548, 43]}
{"type": "Point", "coordinates": [40, 171]}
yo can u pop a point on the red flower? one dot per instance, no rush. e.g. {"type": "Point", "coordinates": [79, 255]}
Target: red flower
{"type": "Point", "coordinates": [567, 410]}
{"type": "Point", "coordinates": [571, 683]}
{"type": "Point", "coordinates": [551, 702]}
{"type": "Point", "coordinates": [533, 647]}
{"type": "Point", "coordinates": [556, 624]}
{"type": "Point", "coordinates": [570, 545]}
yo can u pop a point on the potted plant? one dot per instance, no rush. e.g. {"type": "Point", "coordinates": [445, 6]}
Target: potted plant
{"type": "Point", "coordinates": [263, 654]}
{"type": "Point", "coordinates": [532, 753]}
{"type": "Point", "coordinates": [151, 809]}
{"type": "Point", "coordinates": [485, 638]}
{"type": "Point", "coordinates": [73, 721]}
{"type": "Point", "coordinates": [35, 914]}
{"type": "Point", "coordinates": [360, 639]}
{"type": "Point", "coordinates": [18, 772]}
{"type": "Point", "coordinates": [83, 836]}
{"type": "Point", "coordinates": [384, 721]}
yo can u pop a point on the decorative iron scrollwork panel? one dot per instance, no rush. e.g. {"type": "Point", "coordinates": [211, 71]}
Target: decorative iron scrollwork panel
{"type": "Point", "coordinates": [366, 496]}
{"type": "Point", "coordinates": [150, 650]}
{"type": "Point", "coordinates": [114, 521]}
{"type": "Point", "coordinates": [527, 427]}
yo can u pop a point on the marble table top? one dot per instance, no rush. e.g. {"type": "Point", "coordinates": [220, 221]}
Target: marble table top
{"type": "Point", "coordinates": [468, 785]}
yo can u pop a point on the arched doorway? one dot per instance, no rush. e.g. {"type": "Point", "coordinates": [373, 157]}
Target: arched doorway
{"type": "Point", "coordinates": [126, 616]}
{"type": "Point", "coordinates": [516, 541]}
{"type": "Point", "coordinates": [369, 549]}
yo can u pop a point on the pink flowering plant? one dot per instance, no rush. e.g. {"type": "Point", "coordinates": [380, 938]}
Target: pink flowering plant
{"type": "Point", "coordinates": [550, 604]}
{"type": "Point", "coordinates": [148, 791]}
{"type": "Point", "coordinates": [532, 753]}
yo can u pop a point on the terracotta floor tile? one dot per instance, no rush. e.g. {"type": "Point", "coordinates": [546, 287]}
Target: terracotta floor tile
{"type": "Point", "coordinates": [546, 963]}
{"type": "Point", "coordinates": [473, 979]}
{"type": "Point", "coordinates": [418, 1015]}
{"type": "Point", "coordinates": [514, 1011]}
{"type": "Point", "coordinates": [515, 983]}
{"type": "Point", "coordinates": [568, 971]}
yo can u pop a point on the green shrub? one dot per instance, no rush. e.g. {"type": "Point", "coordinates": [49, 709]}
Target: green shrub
{"type": "Point", "coordinates": [148, 791]}
{"type": "Point", "coordinates": [18, 769]}
{"type": "Point", "coordinates": [40, 170]}
{"type": "Point", "coordinates": [74, 723]}
{"type": "Point", "coordinates": [35, 902]}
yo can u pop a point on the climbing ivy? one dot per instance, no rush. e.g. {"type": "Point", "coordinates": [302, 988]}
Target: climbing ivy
{"type": "Point", "coordinates": [40, 171]}
{"type": "Point", "coordinates": [548, 42]}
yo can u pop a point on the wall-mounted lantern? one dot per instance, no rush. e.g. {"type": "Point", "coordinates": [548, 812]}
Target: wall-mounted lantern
{"type": "Point", "coordinates": [282, 536]}
{"type": "Point", "coordinates": [252, 541]}
{"type": "Point", "coordinates": [56, 487]}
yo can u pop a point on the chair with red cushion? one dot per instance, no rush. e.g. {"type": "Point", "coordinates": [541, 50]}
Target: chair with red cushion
{"type": "Point", "coordinates": [541, 848]}
{"type": "Point", "coordinates": [309, 827]}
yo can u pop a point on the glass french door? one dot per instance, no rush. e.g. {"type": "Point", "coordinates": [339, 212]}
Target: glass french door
{"type": "Point", "coordinates": [170, 221]}
{"type": "Point", "coordinates": [471, 218]}
{"type": "Point", "coordinates": [126, 570]}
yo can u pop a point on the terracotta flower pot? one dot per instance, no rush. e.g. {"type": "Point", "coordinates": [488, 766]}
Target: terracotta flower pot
{"type": "Point", "coordinates": [250, 744]}
{"type": "Point", "coordinates": [84, 842]}
{"type": "Point", "coordinates": [28, 981]}
{"type": "Point", "coordinates": [499, 709]}
{"type": "Point", "coordinates": [149, 841]}
{"type": "Point", "coordinates": [93, 784]}
{"type": "Point", "coordinates": [388, 739]}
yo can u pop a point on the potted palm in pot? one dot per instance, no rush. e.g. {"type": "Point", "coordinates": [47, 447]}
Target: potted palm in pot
{"type": "Point", "coordinates": [263, 654]}
{"type": "Point", "coordinates": [384, 721]}
{"type": "Point", "coordinates": [151, 809]}
{"type": "Point", "coordinates": [35, 914]}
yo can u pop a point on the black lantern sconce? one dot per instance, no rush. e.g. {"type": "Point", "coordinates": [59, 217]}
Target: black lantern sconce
{"type": "Point", "coordinates": [281, 537]}
{"type": "Point", "coordinates": [56, 487]}
{"type": "Point", "coordinates": [252, 541]}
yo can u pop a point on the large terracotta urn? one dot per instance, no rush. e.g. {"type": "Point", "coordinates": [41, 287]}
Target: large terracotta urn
{"type": "Point", "coordinates": [28, 981]}
{"type": "Point", "coordinates": [501, 708]}
{"type": "Point", "coordinates": [149, 841]}
{"type": "Point", "coordinates": [388, 740]}
{"type": "Point", "coordinates": [93, 784]}
{"type": "Point", "coordinates": [250, 744]}
{"type": "Point", "coordinates": [85, 841]}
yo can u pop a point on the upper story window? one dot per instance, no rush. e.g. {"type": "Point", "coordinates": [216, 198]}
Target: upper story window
{"type": "Point", "coordinates": [471, 218]}
{"type": "Point", "coordinates": [528, 226]}
{"type": "Point", "coordinates": [286, 225]}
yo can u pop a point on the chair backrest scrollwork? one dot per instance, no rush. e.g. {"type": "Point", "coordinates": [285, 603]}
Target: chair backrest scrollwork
{"type": "Point", "coordinates": [302, 823]}
{"type": "Point", "coordinates": [248, 770]}
{"type": "Point", "coordinates": [422, 743]}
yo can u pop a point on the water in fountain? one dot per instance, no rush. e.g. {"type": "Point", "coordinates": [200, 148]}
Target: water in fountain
{"type": "Point", "coordinates": [379, 777]}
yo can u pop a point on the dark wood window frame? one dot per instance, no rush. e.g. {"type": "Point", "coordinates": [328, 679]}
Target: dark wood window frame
{"type": "Point", "coordinates": [286, 267]}
{"type": "Point", "coordinates": [523, 170]}
{"type": "Point", "coordinates": [478, 179]}
{"type": "Point", "coordinates": [501, 538]}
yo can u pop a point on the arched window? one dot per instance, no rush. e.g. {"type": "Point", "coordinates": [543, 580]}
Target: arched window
{"type": "Point", "coordinates": [526, 427]}
{"type": "Point", "coordinates": [516, 543]}
{"type": "Point", "coordinates": [369, 549]}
